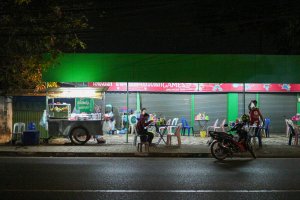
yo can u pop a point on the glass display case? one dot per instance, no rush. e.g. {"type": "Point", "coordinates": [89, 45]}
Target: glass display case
{"type": "Point", "coordinates": [59, 111]}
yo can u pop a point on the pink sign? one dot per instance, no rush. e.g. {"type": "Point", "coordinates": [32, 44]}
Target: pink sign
{"type": "Point", "coordinates": [148, 87]}
{"type": "Point", "coordinates": [196, 87]}
{"type": "Point", "coordinates": [222, 87]}
{"type": "Point", "coordinates": [272, 87]}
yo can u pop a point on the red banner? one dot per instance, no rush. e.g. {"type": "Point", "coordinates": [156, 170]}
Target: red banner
{"type": "Point", "coordinates": [222, 87]}
{"type": "Point", "coordinates": [272, 87]}
{"type": "Point", "coordinates": [196, 87]}
{"type": "Point", "coordinates": [148, 87]}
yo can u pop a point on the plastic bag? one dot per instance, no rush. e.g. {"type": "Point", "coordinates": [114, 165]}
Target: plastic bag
{"type": "Point", "coordinates": [43, 120]}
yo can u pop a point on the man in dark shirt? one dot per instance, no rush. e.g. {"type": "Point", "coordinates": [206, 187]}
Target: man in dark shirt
{"type": "Point", "coordinates": [141, 128]}
{"type": "Point", "coordinates": [143, 111]}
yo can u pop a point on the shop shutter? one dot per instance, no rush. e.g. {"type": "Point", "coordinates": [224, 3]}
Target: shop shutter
{"type": "Point", "coordinates": [214, 105]}
{"type": "Point", "coordinates": [249, 97]}
{"type": "Point", "coordinates": [168, 105]}
{"type": "Point", "coordinates": [278, 107]}
{"type": "Point", "coordinates": [119, 100]}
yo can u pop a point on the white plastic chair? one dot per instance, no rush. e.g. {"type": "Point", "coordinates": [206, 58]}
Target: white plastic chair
{"type": "Point", "coordinates": [287, 127]}
{"type": "Point", "coordinates": [176, 134]}
{"type": "Point", "coordinates": [293, 129]}
{"type": "Point", "coordinates": [18, 129]}
{"type": "Point", "coordinates": [173, 125]}
{"type": "Point", "coordinates": [132, 123]}
{"type": "Point", "coordinates": [221, 127]}
{"type": "Point", "coordinates": [213, 127]}
{"type": "Point", "coordinates": [135, 136]}
{"type": "Point", "coordinates": [167, 123]}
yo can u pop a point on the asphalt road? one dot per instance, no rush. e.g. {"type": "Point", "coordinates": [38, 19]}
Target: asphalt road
{"type": "Point", "coordinates": [148, 178]}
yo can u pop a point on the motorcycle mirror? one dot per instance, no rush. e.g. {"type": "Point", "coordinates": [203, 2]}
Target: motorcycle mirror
{"type": "Point", "coordinates": [225, 125]}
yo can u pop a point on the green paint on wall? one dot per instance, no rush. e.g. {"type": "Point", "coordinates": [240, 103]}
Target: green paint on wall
{"type": "Point", "coordinates": [257, 99]}
{"type": "Point", "coordinates": [233, 106]}
{"type": "Point", "coordinates": [92, 67]}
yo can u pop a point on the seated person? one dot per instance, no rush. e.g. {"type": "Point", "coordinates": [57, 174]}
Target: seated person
{"type": "Point", "coordinates": [141, 128]}
{"type": "Point", "coordinates": [143, 111]}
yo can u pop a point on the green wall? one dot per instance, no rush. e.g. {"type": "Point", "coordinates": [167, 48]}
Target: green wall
{"type": "Point", "coordinates": [298, 103]}
{"type": "Point", "coordinates": [233, 106]}
{"type": "Point", "coordinates": [203, 68]}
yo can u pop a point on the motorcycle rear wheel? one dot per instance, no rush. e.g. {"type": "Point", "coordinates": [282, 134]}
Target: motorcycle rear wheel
{"type": "Point", "coordinates": [218, 151]}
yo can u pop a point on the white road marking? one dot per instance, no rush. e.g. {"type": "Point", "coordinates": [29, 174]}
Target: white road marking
{"type": "Point", "coordinates": [154, 191]}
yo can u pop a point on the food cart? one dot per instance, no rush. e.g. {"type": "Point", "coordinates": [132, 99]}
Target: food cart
{"type": "Point", "coordinates": [75, 113]}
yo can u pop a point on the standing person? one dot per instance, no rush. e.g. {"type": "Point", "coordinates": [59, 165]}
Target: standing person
{"type": "Point", "coordinates": [255, 117]}
{"type": "Point", "coordinates": [141, 128]}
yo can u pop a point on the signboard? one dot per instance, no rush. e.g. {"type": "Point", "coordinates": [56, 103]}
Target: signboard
{"type": "Point", "coordinates": [272, 87]}
{"type": "Point", "coordinates": [220, 87]}
{"type": "Point", "coordinates": [147, 87]}
{"type": "Point", "coordinates": [84, 105]}
{"type": "Point", "coordinates": [196, 87]}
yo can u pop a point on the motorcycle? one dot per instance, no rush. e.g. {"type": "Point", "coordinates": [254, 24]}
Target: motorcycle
{"type": "Point", "coordinates": [223, 144]}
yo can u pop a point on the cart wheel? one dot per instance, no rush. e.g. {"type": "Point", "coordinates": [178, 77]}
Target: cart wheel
{"type": "Point", "coordinates": [46, 140]}
{"type": "Point", "coordinates": [79, 136]}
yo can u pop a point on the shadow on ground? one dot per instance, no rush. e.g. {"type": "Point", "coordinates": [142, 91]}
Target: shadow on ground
{"type": "Point", "coordinates": [233, 163]}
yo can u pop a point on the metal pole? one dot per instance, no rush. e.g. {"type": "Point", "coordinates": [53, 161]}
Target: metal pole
{"type": "Point", "coordinates": [244, 97]}
{"type": "Point", "coordinates": [47, 110]}
{"type": "Point", "coordinates": [127, 125]}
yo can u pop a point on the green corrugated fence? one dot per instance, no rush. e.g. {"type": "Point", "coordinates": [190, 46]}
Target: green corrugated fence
{"type": "Point", "coordinates": [30, 116]}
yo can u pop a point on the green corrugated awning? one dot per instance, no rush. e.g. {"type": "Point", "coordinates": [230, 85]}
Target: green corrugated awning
{"type": "Point", "coordinates": [80, 67]}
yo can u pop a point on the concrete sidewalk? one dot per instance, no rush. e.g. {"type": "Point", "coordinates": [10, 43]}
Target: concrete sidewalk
{"type": "Point", "coordinates": [116, 145]}
{"type": "Point", "coordinates": [128, 150]}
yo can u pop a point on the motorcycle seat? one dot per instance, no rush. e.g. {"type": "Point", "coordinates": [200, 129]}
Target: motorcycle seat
{"type": "Point", "coordinates": [220, 133]}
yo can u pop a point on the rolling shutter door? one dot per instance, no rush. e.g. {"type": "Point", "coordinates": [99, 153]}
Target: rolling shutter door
{"type": "Point", "coordinates": [278, 107]}
{"type": "Point", "coordinates": [119, 101]}
{"type": "Point", "coordinates": [167, 105]}
{"type": "Point", "coordinates": [214, 105]}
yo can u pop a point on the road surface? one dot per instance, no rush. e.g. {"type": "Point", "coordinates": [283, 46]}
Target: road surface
{"type": "Point", "coordinates": [148, 178]}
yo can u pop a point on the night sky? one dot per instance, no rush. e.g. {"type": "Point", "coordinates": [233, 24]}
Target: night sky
{"type": "Point", "coordinates": [194, 26]}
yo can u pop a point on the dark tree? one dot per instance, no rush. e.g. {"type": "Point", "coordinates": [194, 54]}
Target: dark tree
{"type": "Point", "coordinates": [32, 34]}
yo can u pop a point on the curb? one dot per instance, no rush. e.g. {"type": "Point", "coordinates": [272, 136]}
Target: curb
{"type": "Point", "coordinates": [133, 154]}
{"type": "Point", "coordinates": [106, 154]}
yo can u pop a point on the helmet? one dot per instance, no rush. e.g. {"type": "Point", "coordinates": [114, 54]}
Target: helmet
{"type": "Point", "coordinates": [245, 118]}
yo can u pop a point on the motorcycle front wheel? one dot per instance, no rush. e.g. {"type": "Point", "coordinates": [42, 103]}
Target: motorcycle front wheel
{"type": "Point", "coordinates": [218, 151]}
